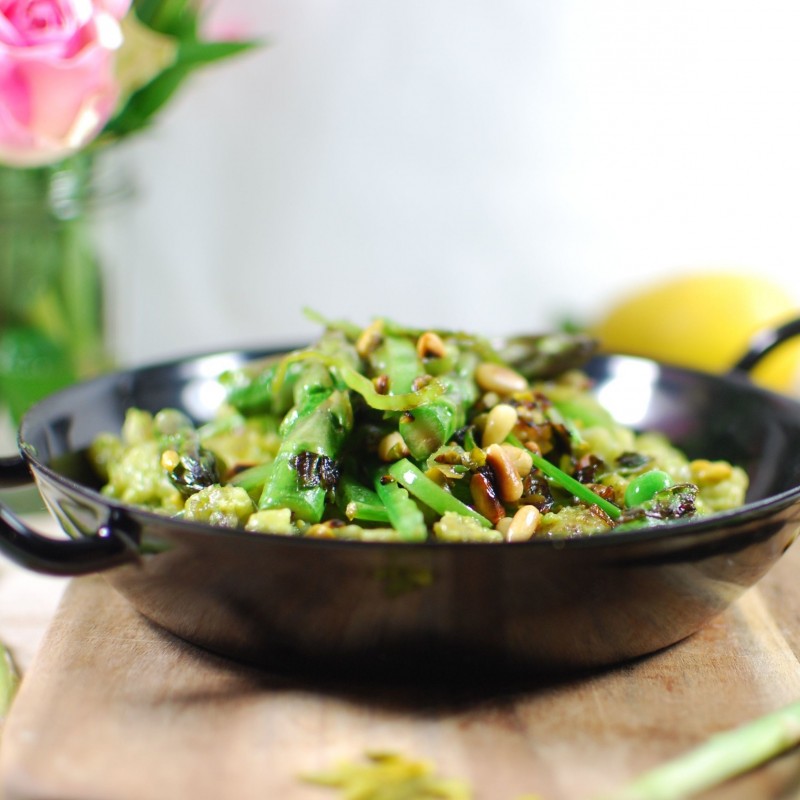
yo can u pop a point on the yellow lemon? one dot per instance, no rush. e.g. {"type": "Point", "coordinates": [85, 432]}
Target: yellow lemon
{"type": "Point", "coordinates": [705, 320]}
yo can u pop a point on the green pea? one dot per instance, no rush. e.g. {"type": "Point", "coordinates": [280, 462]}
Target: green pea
{"type": "Point", "coordinates": [646, 486]}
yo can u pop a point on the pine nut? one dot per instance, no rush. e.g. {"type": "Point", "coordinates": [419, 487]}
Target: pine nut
{"type": "Point", "coordinates": [707, 472]}
{"type": "Point", "coordinates": [430, 345]}
{"type": "Point", "coordinates": [490, 399]}
{"type": "Point", "coordinates": [381, 384]}
{"type": "Point", "coordinates": [523, 524]}
{"type": "Point", "coordinates": [485, 499]}
{"type": "Point", "coordinates": [500, 421]}
{"type": "Point", "coordinates": [370, 338]}
{"type": "Point", "coordinates": [392, 447]}
{"type": "Point", "coordinates": [499, 378]}
{"type": "Point", "coordinates": [503, 525]}
{"type": "Point", "coordinates": [534, 447]}
{"type": "Point", "coordinates": [509, 484]}
{"type": "Point", "coordinates": [521, 459]}
{"type": "Point", "coordinates": [170, 460]}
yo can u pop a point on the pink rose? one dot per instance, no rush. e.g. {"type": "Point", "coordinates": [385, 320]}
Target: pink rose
{"type": "Point", "coordinates": [57, 86]}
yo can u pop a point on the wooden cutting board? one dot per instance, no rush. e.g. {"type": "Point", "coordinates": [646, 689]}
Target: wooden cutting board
{"type": "Point", "coordinates": [114, 709]}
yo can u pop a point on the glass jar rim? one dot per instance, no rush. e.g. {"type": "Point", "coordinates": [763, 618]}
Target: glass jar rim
{"type": "Point", "coordinates": [61, 192]}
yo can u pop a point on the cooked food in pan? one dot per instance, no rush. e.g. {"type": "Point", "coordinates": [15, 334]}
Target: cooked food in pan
{"type": "Point", "coordinates": [386, 433]}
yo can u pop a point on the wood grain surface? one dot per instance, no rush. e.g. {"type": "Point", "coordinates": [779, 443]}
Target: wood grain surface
{"type": "Point", "coordinates": [114, 709]}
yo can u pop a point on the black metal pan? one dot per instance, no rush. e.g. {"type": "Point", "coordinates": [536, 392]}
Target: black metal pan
{"type": "Point", "coordinates": [319, 605]}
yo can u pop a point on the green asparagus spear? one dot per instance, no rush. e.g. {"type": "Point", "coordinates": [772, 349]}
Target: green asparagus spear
{"type": "Point", "coordinates": [720, 758]}
{"type": "Point", "coordinates": [255, 388]}
{"type": "Point", "coordinates": [396, 358]}
{"type": "Point", "coordinates": [317, 425]}
{"type": "Point", "coordinates": [427, 428]}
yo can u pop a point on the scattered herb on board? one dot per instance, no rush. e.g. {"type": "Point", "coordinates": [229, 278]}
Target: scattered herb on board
{"type": "Point", "coordinates": [390, 776]}
{"type": "Point", "coordinates": [9, 680]}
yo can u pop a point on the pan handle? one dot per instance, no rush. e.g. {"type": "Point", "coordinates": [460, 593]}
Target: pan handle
{"type": "Point", "coordinates": [108, 547]}
{"type": "Point", "coordinates": [14, 472]}
{"type": "Point", "coordinates": [765, 342]}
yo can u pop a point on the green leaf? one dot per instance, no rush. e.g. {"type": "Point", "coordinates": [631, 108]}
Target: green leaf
{"type": "Point", "coordinates": [143, 104]}
{"type": "Point", "coordinates": [198, 53]}
{"type": "Point", "coordinates": [173, 17]}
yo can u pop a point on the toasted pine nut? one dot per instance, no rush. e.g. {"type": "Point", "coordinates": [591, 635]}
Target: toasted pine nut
{"type": "Point", "coordinates": [521, 459]}
{"type": "Point", "coordinates": [170, 459]}
{"type": "Point", "coordinates": [503, 525]}
{"type": "Point", "coordinates": [500, 421]}
{"type": "Point", "coordinates": [430, 345]}
{"type": "Point", "coordinates": [420, 382]}
{"type": "Point", "coordinates": [533, 447]}
{"type": "Point", "coordinates": [523, 524]}
{"type": "Point", "coordinates": [392, 447]}
{"type": "Point", "coordinates": [509, 484]}
{"type": "Point", "coordinates": [499, 378]}
{"type": "Point", "coordinates": [706, 472]}
{"type": "Point", "coordinates": [370, 338]}
{"type": "Point", "coordinates": [490, 399]}
{"type": "Point", "coordinates": [381, 384]}
{"type": "Point", "coordinates": [485, 499]}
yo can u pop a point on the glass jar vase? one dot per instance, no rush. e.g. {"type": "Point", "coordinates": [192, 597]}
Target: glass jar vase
{"type": "Point", "coordinates": [52, 323]}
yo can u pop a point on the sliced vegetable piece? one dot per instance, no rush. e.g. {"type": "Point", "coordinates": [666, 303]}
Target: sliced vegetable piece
{"type": "Point", "coordinates": [404, 514]}
{"type": "Point", "coordinates": [430, 493]}
{"type": "Point", "coordinates": [406, 401]}
{"type": "Point", "coordinates": [359, 502]}
{"type": "Point", "coordinates": [646, 486]}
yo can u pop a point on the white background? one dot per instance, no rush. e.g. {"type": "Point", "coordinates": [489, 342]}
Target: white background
{"type": "Point", "coordinates": [496, 166]}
